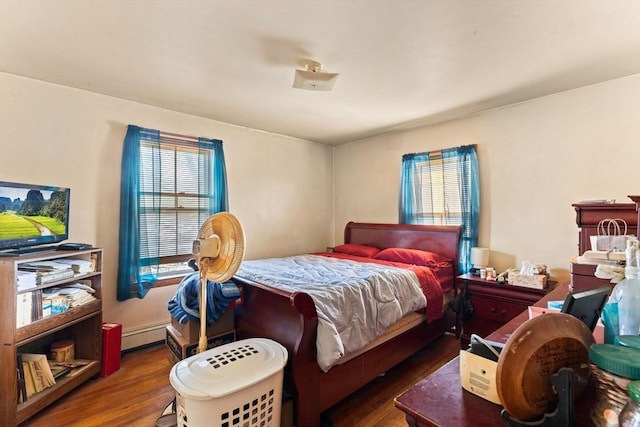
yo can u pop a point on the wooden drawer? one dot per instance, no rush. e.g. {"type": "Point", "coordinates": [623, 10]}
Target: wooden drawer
{"type": "Point", "coordinates": [582, 283]}
{"type": "Point", "coordinates": [583, 277]}
{"type": "Point", "coordinates": [496, 310]}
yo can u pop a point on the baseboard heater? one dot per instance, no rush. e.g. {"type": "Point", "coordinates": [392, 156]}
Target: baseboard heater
{"type": "Point", "coordinates": [143, 336]}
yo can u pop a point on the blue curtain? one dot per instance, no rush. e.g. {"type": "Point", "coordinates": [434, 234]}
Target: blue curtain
{"type": "Point", "coordinates": [416, 195]}
{"type": "Point", "coordinates": [412, 190]}
{"type": "Point", "coordinates": [130, 281]}
{"type": "Point", "coordinates": [219, 200]}
{"type": "Point", "coordinates": [466, 162]}
{"type": "Point", "coordinates": [136, 275]}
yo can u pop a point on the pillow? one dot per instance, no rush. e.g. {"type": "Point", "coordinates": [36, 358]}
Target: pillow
{"type": "Point", "coordinates": [412, 256]}
{"type": "Point", "coordinates": [356, 250]}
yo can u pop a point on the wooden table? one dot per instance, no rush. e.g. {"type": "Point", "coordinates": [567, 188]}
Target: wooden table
{"type": "Point", "coordinates": [440, 400]}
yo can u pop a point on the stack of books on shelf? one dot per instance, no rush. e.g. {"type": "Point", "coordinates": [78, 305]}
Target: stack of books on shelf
{"type": "Point", "coordinates": [69, 296]}
{"type": "Point", "coordinates": [41, 303]}
{"type": "Point", "coordinates": [34, 374]}
{"type": "Point", "coordinates": [79, 266]}
{"type": "Point", "coordinates": [48, 271]}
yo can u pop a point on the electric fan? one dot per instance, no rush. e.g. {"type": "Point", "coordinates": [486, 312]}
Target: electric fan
{"type": "Point", "coordinates": [218, 250]}
{"type": "Point", "coordinates": [240, 380]}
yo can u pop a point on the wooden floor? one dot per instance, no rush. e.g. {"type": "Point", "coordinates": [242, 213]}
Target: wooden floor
{"type": "Point", "coordinates": [137, 394]}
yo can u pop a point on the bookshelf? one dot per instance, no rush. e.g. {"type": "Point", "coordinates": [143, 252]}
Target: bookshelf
{"type": "Point", "coordinates": [82, 324]}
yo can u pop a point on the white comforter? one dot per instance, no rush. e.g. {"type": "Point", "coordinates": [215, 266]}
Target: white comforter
{"type": "Point", "coordinates": [355, 301]}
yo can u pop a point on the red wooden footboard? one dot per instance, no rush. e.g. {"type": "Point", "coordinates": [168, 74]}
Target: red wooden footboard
{"type": "Point", "coordinates": [291, 320]}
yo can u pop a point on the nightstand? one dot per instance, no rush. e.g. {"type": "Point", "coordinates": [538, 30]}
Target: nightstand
{"type": "Point", "coordinates": [494, 304]}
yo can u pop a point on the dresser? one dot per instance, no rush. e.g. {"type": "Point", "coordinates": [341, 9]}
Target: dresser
{"type": "Point", "coordinates": [588, 215]}
{"type": "Point", "coordinates": [494, 304]}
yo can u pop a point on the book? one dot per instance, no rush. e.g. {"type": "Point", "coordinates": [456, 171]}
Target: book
{"type": "Point", "coordinates": [36, 305]}
{"type": "Point", "coordinates": [22, 386]}
{"type": "Point", "coordinates": [24, 309]}
{"type": "Point", "coordinates": [58, 370]}
{"type": "Point", "coordinates": [39, 371]}
{"type": "Point", "coordinates": [29, 381]}
{"type": "Point", "coordinates": [76, 366]}
{"type": "Point", "coordinates": [45, 277]}
{"type": "Point", "coordinates": [28, 307]}
{"type": "Point", "coordinates": [26, 280]}
{"type": "Point", "coordinates": [33, 380]}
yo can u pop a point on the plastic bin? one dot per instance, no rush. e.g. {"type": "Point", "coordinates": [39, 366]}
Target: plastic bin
{"type": "Point", "coordinates": [238, 384]}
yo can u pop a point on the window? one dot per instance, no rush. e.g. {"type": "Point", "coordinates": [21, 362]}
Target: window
{"type": "Point", "coordinates": [171, 178]}
{"type": "Point", "coordinates": [170, 185]}
{"type": "Point", "coordinates": [441, 188]}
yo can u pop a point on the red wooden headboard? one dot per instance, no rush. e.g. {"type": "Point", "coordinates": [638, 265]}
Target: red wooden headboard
{"type": "Point", "coordinates": [441, 239]}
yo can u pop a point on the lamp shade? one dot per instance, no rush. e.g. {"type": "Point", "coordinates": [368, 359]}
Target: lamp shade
{"type": "Point", "coordinates": [480, 257]}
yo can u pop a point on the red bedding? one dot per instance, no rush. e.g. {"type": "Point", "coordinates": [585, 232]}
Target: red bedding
{"type": "Point", "coordinates": [431, 280]}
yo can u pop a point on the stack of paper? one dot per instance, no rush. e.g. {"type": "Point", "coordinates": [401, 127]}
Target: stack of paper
{"type": "Point", "coordinates": [79, 266]}
{"type": "Point", "coordinates": [76, 296]}
{"type": "Point", "coordinates": [26, 280]}
{"type": "Point", "coordinates": [69, 296]}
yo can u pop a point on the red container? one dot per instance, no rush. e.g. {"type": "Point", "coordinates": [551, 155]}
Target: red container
{"type": "Point", "coordinates": [111, 347]}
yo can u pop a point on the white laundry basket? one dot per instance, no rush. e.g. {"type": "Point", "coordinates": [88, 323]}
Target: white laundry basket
{"type": "Point", "coordinates": [238, 384]}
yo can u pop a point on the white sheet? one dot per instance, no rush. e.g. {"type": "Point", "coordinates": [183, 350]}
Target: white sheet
{"type": "Point", "coordinates": [355, 301]}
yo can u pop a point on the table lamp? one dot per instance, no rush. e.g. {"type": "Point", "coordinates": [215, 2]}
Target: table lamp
{"type": "Point", "coordinates": [479, 259]}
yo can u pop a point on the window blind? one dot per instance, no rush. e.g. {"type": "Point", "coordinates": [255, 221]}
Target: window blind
{"type": "Point", "coordinates": [174, 198]}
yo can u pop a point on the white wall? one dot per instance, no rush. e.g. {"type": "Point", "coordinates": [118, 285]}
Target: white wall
{"type": "Point", "coordinates": [279, 187]}
{"type": "Point", "coordinates": [535, 158]}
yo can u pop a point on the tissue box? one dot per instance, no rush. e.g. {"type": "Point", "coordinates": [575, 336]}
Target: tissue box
{"type": "Point", "coordinates": [478, 376]}
{"type": "Point", "coordinates": [537, 281]}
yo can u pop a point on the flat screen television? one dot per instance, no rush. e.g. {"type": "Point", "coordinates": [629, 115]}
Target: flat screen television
{"type": "Point", "coordinates": [32, 217]}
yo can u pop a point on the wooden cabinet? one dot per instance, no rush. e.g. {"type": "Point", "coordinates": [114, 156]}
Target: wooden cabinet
{"type": "Point", "coordinates": [494, 304]}
{"type": "Point", "coordinates": [588, 215]}
{"type": "Point", "coordinates": [82, 324]}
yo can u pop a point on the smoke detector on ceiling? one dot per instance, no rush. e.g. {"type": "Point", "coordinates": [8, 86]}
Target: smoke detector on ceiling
{"type": "Point", "coordinates": [314, 78]}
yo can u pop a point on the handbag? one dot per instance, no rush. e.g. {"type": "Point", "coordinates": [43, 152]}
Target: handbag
{"type": "Point", "coordinates": [462, 305]}
{"type": "Point", "coordinates": [611, 236]}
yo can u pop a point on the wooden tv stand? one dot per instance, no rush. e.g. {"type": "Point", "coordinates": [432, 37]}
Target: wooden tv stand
{"type": "Point", "coordinates": [440, 400]}
{"type": "Point", "coordinates": [82, 324]}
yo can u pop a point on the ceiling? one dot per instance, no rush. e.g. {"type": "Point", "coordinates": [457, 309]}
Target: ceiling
{"type": "Point", "coordinates": [402, 63]}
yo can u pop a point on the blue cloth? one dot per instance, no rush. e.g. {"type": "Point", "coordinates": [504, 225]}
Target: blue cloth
{"type": "Point", "coordinates": [185, 304]}
{"type": "Point", "coordinates": [459, 166]}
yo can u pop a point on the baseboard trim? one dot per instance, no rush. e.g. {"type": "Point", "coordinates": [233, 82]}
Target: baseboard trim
{"type": "Point", "coordinates": [143, 337]}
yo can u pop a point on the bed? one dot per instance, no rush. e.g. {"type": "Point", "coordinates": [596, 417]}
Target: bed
{"type": "Point", "coordinates": [291, 318]}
